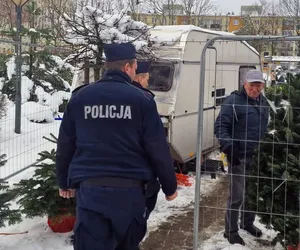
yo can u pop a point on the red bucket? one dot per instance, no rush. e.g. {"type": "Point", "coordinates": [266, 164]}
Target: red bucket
{"type": "Point", "coordinates": [293, 248]}
{"type": "Point", "coordinates": [62, 223]}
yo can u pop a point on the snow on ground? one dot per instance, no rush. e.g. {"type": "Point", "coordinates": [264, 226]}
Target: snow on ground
{"type": "Point", "coordinates": [22, 150]}
{"type": "Point", "coordinates": [217, 242]}
{"type": "Point", "coordinates": [40, 236]}
{"type": "Point", "coordinates": [185, 199]}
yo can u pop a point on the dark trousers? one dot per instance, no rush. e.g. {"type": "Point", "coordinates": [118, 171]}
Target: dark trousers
{"type": "Point", "coordinates": [151, 203]}
{"type": "Point", "coordinates": [238, 198]}
{"type": "Point", "coordinates": [110, 218]}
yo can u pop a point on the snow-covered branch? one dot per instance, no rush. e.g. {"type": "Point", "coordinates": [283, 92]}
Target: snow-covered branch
{"type": "Point", "coordinates": [91, 28]}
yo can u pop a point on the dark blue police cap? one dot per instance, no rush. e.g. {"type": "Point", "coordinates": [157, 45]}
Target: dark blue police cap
{"type": "Point", "coordinates": [142, 67]}
{"type": "Point", "coordinates": [119, 51]}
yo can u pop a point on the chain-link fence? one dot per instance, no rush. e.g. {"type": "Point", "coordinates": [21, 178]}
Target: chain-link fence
{"type": "Point", "coordinates": [260, 136]}
{"type": "Point", "coordinates": [45, 87]}
{"type": "Point", "coordinates": [271, 177]}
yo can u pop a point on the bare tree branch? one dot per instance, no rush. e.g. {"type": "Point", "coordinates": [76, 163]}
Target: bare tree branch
{"type": "Point", "coordinates": [165, 10]}
{"type": "Point", "coordinates": [289, 8]}
{"type": "Point", "coordinates": [50, 17]}
{"type": "Point", "coordinates": [197, 7]}
{"type": "Point", "coordinates": [7, 15]}
{"type": "Point", "coordinates": [265, 23]}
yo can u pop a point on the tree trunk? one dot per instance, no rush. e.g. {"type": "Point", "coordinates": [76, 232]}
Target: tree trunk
{"type": "Point", "coordinates": [99, 63]}
{"type": "Point", "coordinates": [86, 70]}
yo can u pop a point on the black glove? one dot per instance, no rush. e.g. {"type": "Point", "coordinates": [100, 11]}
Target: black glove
{"type": "Point", "coordinates": [232, 155]}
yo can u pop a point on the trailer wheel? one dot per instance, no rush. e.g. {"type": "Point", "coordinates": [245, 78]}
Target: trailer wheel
{"type": "Point", "coordinates": [181, 168]}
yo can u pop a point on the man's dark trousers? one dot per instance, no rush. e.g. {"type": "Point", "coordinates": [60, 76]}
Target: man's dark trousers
{"type": "Point", "coordinates": [109, 218]}
{"type": "Point", "coordinates": [238, 198]}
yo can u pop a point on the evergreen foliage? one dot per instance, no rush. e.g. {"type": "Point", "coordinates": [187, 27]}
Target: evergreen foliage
{"type": "Point", "coordinates": [274, 187]}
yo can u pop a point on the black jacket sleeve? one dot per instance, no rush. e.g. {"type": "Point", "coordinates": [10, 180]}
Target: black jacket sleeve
{"type": "Point", "coordinates": [66, 147]}
{"type": "Point", "coordinates": [224, 123]}
{"type": "Point", "coordinates": [158, 149]}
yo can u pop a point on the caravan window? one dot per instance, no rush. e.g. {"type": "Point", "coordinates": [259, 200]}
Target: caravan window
{"type": "Point", "coordinates": [220, 96]}
{"type": "Point", "coordinates": [242, 74]}
{"type": "Point", "coordinates": [161, 76]}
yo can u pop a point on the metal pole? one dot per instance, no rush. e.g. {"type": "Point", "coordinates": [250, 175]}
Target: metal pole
{"type": "Point", "coordinates": [199, 144]}
{"type": "Point", "coordinates": [18, 97]}
{"type": "Point", "coordinates": [200, 114]}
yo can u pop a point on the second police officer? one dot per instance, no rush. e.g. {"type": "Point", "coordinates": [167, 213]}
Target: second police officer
{"type": "Point", "coordinates": [141, 81]}
{"type": "Point", "coordinates": [111, 143]}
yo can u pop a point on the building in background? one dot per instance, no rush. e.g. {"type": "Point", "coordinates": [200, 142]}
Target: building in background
{"type": "Point", "coordinates": [252, 10]}
{"type": "Point", "coordinates": [175, 15]}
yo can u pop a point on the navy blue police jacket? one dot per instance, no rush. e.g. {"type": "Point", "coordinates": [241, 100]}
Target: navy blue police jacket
{"type": "Point", "coordinates": [137, 84]}
{"type": "Point", "coordinates": [242, 123]}
{"type": "Point", "coordinates": [112, 128]}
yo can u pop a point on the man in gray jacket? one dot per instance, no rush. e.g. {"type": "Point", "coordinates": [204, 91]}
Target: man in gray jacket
{"type": "Point", "coordinates": [241, 124]}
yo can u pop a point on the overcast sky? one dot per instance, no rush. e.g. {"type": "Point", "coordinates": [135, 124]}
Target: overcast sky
{"type": "Point", "coordinates": [225, 6]}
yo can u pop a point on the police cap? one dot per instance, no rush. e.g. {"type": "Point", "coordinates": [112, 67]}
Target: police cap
{"type": "Point", "coordinates": [119, 51]}
{"type": "Point", "coordinates": [142, 67]}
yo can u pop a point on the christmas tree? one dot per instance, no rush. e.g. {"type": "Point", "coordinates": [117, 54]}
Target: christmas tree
{"type": "Point", "coordinates": [6, 214]}
{"type": "Point", "coordinates": [274, 188]}
{"type": "Point", "coordinates": [39, 196]}
{"type": "Point", "coordinates": [45, 75]}
{"type": "Point", "coordinates": [11, 216]}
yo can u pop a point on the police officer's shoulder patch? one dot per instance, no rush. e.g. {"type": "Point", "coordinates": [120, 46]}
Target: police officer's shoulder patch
{"type": "Point", "coordinates": [80, 87]}
{"type": "Point", "coordinates": [146, 93]}
{"type": "Point", "coordinates": [76, 90]}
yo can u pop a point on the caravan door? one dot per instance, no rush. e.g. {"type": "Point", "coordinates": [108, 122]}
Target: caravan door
{"type": "Point", "coordinates": [209, 99]}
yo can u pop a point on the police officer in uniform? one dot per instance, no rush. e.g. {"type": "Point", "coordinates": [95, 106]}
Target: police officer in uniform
{"type": "Point", "coordinates": [142, 75]}
{"type": "Point", "coordinates": [141, 81]}
{"type": "Point", "coordinates": [111, 143]}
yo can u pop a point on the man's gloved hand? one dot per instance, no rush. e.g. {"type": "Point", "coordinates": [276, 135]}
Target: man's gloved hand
{"type": "Point", "coordinates": [232, 154]}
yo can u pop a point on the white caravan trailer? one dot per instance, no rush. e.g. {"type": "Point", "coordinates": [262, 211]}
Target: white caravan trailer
{"type": "Point", "coordinates": [175, 77]}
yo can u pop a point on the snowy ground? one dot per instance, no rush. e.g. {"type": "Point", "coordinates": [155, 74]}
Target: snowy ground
{"type": "Point", "coordinates": [40, 236]}
{"type": "Point", "coordinates": [217, 242]}
{"type": "Point", "coordinates": [22, 150]}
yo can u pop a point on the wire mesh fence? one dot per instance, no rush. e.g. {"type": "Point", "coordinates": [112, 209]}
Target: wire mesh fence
{"type": "Point", "coordinates": [259, 135]}
{"type": "Point", "coordinates": [45, 84]}
{"type": "Point", "coordinates": [271, 176]}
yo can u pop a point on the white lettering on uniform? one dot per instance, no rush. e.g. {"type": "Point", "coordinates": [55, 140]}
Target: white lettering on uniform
{"type": "Point", "coordinates": [95, 112]}
{"type": "Point", "coordinates": [120, 114]}
{"type": "Point", "coordinates": [112, 110]}
{"type": "Point", "coordinates": [101, 111]}
{"type": "Point", "coordinates": [107, 112]}
{"type": "Point", "coordinates": [87, 110]}
{"type": "Point", "coordinates": [127, 113]}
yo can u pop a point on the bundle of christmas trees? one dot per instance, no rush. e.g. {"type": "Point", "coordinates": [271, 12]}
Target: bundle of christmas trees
{"type": "Point", "coordinates": [274, 187]}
